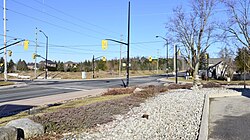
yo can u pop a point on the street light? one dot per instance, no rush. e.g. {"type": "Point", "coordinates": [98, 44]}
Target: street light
{"type": "Point", "coordinates": [166, 52]}
{"type": "Point", "coordinates": [46, 56]}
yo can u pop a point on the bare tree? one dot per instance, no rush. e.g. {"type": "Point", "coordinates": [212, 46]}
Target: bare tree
{"type": "Point", "coordinates": [227, 55]}
{"type": "Point", "coordinates": [238, 22]}
{"type": "Point", "coordinates": [195, 31]}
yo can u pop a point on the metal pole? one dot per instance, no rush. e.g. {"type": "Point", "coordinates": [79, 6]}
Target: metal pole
{"type": "Point", "coordinates": [157, 61]}
{"type": "Point", "coordinates": [46, 73]}
{"type": "Point", "coordinates": [93, 67]}
{"type": "Point", "coordinates": [120, 61]}
{"type": "Point", "coordinates": [167, 58]}
{"type": "Point", "coordinates": [4, 40]}
{"type": "Point", "coordinates": [36, 53]}
{"type": "Point", "coordinates": [176, 71]}
{"type": "Point", "coordinates": [128, 44]}
{"type": "Point", "coordinates": [244, 67]}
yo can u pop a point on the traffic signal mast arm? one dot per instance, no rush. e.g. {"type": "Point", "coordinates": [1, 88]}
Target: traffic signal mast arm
{"type": "Point", "coordinates": [12, 44]}
{"type": "Point", "coordinates": [117, 41]}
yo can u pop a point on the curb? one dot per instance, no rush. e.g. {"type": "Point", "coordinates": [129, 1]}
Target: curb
{"type": "Point", "coordinates": [17, 84]}
{"type": "Point", "coordinates": [203, 132]}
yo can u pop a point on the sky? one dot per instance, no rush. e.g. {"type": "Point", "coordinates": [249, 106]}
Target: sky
{"type": "Point", "coordinates": [76, 28]}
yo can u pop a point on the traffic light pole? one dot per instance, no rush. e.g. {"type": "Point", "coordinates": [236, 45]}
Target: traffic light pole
{"type": "Point", "coordinates": [127, 44]}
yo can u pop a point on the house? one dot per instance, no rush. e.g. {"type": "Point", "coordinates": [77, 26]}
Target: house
{"type": "Point", "coordinates": [31, 66]}
{"type": "Point", "coordinates": [69, 64]}
{"type": "Point", "coordinates": [49, 62]}
{"type": "Point", "coordinates": [216, 68]}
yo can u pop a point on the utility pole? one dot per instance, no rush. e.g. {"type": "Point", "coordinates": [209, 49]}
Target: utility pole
{"type": "Point", "coordinates": [36, 53]}
{"type": "Point", "coordinates": [4, 40]}
{"type": "Point", "coordinates": [93, 67]}
{"type": "Point", "coordinates": [120, 61]}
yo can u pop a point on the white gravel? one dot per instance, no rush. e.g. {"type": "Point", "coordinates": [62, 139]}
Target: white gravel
{"type": "Point", "coordinates": [173, 115]}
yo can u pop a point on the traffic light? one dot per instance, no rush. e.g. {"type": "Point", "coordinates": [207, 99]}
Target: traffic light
{"type": "Point", "coordinates": [26, 45]}
{"type": "Point", "coordinates": [104, 44]}
{"type": "Point", "coordinates": [34, 56]}
{"type": "Point", "coordinates": [1, 64]}
{"type": "Point", "coordinates": [104, 58]}
{"type": "Point", "coordinates": [10, 53]}
{"type": "Point", "coordinates": [150, 58]}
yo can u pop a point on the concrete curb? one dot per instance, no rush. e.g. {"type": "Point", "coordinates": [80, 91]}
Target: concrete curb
{"type": "Point", "coordinates": [17, 84]}
{"type": "Point", "coordinates": [203, 132]}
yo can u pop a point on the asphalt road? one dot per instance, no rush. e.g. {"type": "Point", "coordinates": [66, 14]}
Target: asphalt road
{"type": "Point", "coordinates": [51, 87]}
{"type": "Point", "coordinates": [230, 118]}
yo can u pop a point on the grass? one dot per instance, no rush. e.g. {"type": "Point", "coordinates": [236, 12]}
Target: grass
{"type": "Point", "coordinates": [87, 101]}
{"type": "Point", "coordinates": [2, 83]}
{"type": "Point", "coordinates": [67, 105]}
{"type": "Point", "coordinates": [78, 75]}
{"type": "Point", "coordinates": [88, 116]}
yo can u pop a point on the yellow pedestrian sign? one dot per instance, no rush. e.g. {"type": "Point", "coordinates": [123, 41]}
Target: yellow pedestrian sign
{"type": "Point", "coordinates": [26, 45]}
{"type": "Point", "coordinates": [104, 44]}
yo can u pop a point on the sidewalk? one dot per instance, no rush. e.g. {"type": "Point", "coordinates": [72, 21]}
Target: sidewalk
{"type": "Point", "coordinates": [230, 117]}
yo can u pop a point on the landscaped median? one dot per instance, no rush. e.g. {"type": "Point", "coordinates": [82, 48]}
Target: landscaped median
{"type": "Point", "coordinates": [151, 112]}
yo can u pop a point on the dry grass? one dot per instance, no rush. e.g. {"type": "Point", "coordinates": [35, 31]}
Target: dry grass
{"type": "Point", "coordinates": [87, 117]}
{"type": "Point", "coordinates": [2, 83]}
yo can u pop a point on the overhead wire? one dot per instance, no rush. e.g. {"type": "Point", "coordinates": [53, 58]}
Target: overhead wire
{"type": "Point", "coordinates": [74, 17]}
{"type": "Point", "coordinates": [60, 18]}
{"type": "Point", "coordinates": [52, 24]}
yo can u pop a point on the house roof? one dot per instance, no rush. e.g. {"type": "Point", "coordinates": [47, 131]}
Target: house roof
{"type": "Point", "coordinates": [48, 61]}
{"type": "Point", "coordinates": [213, 61]}
{"type": "Point", "coordinates": [69, 62]}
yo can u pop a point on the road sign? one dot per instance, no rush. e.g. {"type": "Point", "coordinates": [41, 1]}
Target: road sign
{"type": "Point", "coordinates": [104, 44]}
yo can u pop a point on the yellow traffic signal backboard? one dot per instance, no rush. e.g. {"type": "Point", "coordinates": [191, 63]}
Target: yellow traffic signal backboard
{"type": "Point", "coordinates": [104, 44]}
{"type": "Point", "coordinates": [104, 58]}
{"type": "Point", "coordinates": [34, 56]}
{"type": "Point", "coordinates": [26, 44]}
{"type": "Point", "coordinates": [10, 53]}
{"type": "Point", "coordinates": [150, 58]}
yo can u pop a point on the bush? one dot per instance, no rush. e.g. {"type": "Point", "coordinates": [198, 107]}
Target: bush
{"type": "Point", "coordinates": [119, 91]}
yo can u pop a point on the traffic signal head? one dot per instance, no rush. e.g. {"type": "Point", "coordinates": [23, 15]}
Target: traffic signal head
{"type": "Point", "coordinates": [34, 56]}
{"type": "Point", "coordinates": [150, 58]}
{"type": "Point", "coordinates": [10, 53]}
{"type": "Point", "coordinates": [26, 44]}
{"type": "Point", "coordinates": [104, 58]}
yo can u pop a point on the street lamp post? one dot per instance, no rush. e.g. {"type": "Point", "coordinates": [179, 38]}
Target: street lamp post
{"type": "Point", "coordinates": [166, 52]}
{"type": "Point", "coordinates": [46, 56]}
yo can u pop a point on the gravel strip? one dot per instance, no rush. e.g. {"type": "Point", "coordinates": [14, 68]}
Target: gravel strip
{"type": "Point", "coordinates": [172, 115]}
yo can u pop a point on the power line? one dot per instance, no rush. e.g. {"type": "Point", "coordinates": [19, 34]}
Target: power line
{"type": "Point", "coordinates": [59, 11]}
{"type": "Point", "coordinates": [52, 24]}
{"type": "Point", "coordinates": [60, 18]}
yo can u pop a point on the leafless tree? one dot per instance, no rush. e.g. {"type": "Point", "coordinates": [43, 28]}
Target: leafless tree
{"type": "Point", "coordinates": [227, 56]}
{"type": "Point", "coordinates": [237, 25]}
{"type": "Point", "coordinates": [195, 30]}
